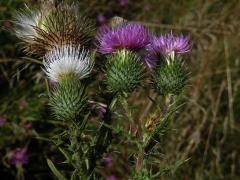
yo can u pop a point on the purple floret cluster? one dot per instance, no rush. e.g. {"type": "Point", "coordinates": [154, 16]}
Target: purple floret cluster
{"type": "Point", "coordinates": [131, 36]}
{"type": "Point", "coordinates": [166, 45]}
{"type": "Point", "coordinates": [134, 36]}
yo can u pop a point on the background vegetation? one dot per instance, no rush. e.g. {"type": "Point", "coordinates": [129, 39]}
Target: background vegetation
{"type": "Point", "coordinates": [205, 132]}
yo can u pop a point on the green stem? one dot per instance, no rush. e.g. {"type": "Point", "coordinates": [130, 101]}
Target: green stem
{"type": "Point", "coordinates": [81, 170]}
{"type": "Point", "coordinates": [103, 140]}
{"type": "Point", "coordinates": [159, 132]}
{"type": "Point", "coordinates": [127, 109]}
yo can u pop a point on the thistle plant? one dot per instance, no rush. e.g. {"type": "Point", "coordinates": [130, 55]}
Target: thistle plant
{"type": "Point", "coordinates": [62, 37]}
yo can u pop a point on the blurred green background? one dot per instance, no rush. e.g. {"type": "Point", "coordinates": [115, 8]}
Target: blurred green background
{"type": "Point", "coordinates": [205, 132]}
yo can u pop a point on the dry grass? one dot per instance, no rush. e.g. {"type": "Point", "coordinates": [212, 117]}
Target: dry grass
{"type": "Point", "coordinates": [207, 128]}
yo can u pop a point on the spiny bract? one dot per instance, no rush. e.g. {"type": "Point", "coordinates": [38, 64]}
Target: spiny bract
{"type": "Point", "coordinates": [68, 99]}
{"type": "Point", "coordinates": [170, 78]}
{"type": "Point", "coordinates": [124, 72]}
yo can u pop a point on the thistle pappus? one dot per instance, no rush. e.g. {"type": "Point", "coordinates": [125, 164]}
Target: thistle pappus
{"type": "Point", "coordinates": [26, 22]}
{"type": "Point", "coordinates": [67, 60]}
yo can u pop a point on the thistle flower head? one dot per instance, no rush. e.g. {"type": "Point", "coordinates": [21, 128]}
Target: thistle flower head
{"type": "Point", "coordinates": [63, 26]}
{"type": "Point", "coordinates": [46, 28]}
{"type": "Point", "coordinates": [166, 46]}
{"type": "Point", "coordinates": [26, 21]}
{"type": "Point", "coordinates": [129, 36]}
{"type": "Point", "coordinates": [67, 60]}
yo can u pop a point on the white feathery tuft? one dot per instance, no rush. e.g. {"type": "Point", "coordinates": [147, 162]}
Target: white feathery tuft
{"type": "Point", "coordinates": [67, 59]}
{"type": "Point", "coordinates": [25, 23]}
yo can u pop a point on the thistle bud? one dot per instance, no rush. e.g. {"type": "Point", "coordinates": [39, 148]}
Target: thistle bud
{"type": "Point", "coordinates": [68, 99]}
{"type": "Point", "coordinates": [124, 72]}
{"type": "Point", "coordinates": [67, 66]}
{"type": "Point", "coordinates": [170, 78]}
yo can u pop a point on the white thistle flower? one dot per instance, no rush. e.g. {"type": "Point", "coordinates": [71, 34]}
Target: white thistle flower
{"type": "Point", "coordinates": [67, 60]}
{"type": "Point", "coordinates": [26, 22]}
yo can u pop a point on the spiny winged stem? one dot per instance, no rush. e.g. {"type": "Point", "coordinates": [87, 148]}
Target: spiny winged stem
{"type": "Point", "coordinates": [77, 152]}
{"type": "Point", "coordinates": [157, 134]}
{"type": "Point", "coordinates": [104, 137]}
{"type": "Point", "coordinates": [126, 108]}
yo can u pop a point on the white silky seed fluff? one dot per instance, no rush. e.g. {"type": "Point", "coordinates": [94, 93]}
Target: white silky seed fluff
{"type": "Point", "coordinates": [67, 59]}
{"type": "Point", "coordinates": [26, 21]}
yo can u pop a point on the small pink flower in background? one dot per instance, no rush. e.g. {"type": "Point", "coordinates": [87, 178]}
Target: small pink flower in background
{"type": "Point", "coordinates": [52, 83]}
{"type": "Point", "coordinates": [2, 121]}
{"type": "Point", "coordinates": [22, 104]}
{"type": "Point", "coordinates": [112, 177]}
{"type": "Point", "coordinates": [101, 19]}
{"type": "Point", "coordinates": [28, 126]}
{"type": "Point", "coordinates": [108, 160]}
{"type": "Point", "coordinates": [123, 3]}
{"type": "Point", "coordinates": [19, 157]}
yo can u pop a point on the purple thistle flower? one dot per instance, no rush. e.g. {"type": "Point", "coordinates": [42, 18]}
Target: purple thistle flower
{"type": "Point", "coordinates": [19, 157]}
{"type": "Point", "coordinates": [112, 177]}
{"type": "Point", "coordinates": [2, 121]}
{"type": "Point", "coordinates": [166, 45]}
{"type": "Point", "coordinates": [129, 36]}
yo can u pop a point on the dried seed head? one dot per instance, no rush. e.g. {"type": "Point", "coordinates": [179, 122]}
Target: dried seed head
{"type": "Point", "coordinates": [65, 25]}
{"type": "Point", "coordinates": [54, 27]}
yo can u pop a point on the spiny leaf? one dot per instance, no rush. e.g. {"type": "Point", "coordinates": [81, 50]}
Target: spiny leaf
{"type": "Point", "coordinates": [55, 170]}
